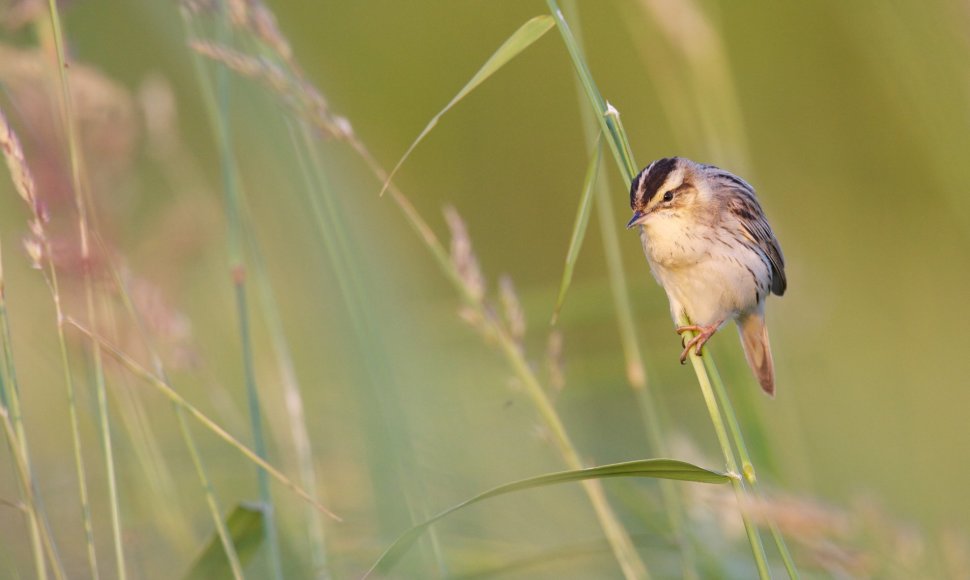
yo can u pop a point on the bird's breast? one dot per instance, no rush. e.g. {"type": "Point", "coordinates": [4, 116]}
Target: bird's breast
{"type": "Point", "coordinates": [669, 244]}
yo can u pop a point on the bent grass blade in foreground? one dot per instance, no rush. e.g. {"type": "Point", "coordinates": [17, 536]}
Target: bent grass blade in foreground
{"type": "Point", "coordinates": [211, 425]}
{"type": "Point", "coordinates": [521, 39]}
{"type": "Point", "coordinates": [654, 468]}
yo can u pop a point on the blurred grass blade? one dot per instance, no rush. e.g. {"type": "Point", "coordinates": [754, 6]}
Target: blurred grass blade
{"type": "Point", "coordinates": [521, 39]}
{"type": "Point", "coordinates": [245, 525]}
{"type": "Point", "coordinates": [579, 227]}
{"type": "Point", "coordinates": [656, 468]}
{"type": "Point", "coordinates": [162, 386]}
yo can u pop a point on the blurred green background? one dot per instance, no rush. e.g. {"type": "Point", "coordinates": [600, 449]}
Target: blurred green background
{"type": "Point", "coordinates": [852, 121]}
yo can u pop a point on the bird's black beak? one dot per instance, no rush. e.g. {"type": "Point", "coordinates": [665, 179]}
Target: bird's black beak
{"type": "Point", "coordinates": [637, 215]}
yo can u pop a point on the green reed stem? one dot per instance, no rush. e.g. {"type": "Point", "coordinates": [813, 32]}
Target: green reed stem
{"type": "Point", "coordinates": [754, 538]}
{"type": "Point", "coordinates": [105, 431]}
{"type": "Point", "coordinates": [26, 481]}
{"type": "Point", "coordinates": [256, 424]}
{"type": "Point", "coordinates": [636, 376]}
{"type": "Point", "coordinates": [746, 464]}
{"type": "Point", "coordinates": [172, 395]}
{"type": "Point", "coordinates": [52, 283]}
{"type": "Point", "coordinates": [629, 339]}
{"type": "Point", "coordinates": [208, 490]}
{"type": "Point", "coordinates": [10, 405]}
{"type": "Point", "coordinates": [330, 224]}
{"type": "Point", "coordinates": [293, 398]}
{"type": "Point", "coordinates": [237, 268]}
{"type": "Point", "coordinates": [609, 122]}
{"type": "Point", "coordinates": [217, 101]}
{"type": "Point", "coordinates": [74, 149]}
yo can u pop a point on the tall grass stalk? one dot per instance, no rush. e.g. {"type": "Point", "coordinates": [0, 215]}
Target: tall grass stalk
{"type": "Point", "coordinates": [172, 395]}
{"type": "Point", "coordinates": [212, 502]}
{"type": "Point", "coordinates": [135, 427]}
{"type": "Point", "coordinates": [646, 398]}
{"type": "Point", "coordinates": [80, 202]}
{"type": "Point", "coordinates": [50, 278]}
{"type": "Point", "coordinates": [239, 235]}
{"type": "Point", "coordinates": [609, 123]}
{"type": "Point", "coordinates": [746, 464]}
{"type": "Point", "coordinates": [328, 218]}
{"type": "Point", "coordinates": [273, 47]}
{"type": "Point", "coordinates": [754, 538]}
{"type": "Point", "coordinates": [40, 248]}
{"type": "Point", "coordinates": [26, 481]}
{"type": "Point", "coordinates": [647, 401]}
{"type": "Point", "coordinates": [292, 397]}
{"type": "Point", "coordinates": [17, 440]}
{"type": "Point", "coordinates": [237, 268]}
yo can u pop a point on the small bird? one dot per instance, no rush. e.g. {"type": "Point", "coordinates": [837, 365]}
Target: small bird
{"type": "Point", "coordinates": [709, 245]}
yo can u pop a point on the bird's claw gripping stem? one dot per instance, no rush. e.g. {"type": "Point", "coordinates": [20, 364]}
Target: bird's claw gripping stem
{"type": "Point", "coordinates": [704, 333]}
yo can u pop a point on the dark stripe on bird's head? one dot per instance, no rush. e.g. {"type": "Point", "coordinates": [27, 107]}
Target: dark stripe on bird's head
{"type": "Point", "coordinates": [656, 175]}
{"type": "Point", "coordinates": [634, 187]}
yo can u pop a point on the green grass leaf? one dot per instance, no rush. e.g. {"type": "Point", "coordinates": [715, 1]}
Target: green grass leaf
{"type": "Point", "coordinates": [245, 525]}
{"type": "Point", "coordinates": [655, 468]}
{"type": "Point", "coordinates": [579, 226]}
{"type": "Point", "coordinates": [521, 39]}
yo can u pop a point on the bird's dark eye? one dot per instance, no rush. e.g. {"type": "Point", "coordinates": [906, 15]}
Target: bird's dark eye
{"type": "Point", "coordinates": [668, 196]}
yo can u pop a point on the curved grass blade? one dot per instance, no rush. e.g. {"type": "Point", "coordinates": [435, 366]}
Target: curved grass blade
{"type": "Point", "coordinates": [245, 524]}
{"type": "Point", "coordinates": [521, 39]}
{"type": "Point", "coordinates": [579, 227]}
{"type": "Point", "coordinates": [170, 393]}
{"type": "Point", "coordinates": [656, 468]}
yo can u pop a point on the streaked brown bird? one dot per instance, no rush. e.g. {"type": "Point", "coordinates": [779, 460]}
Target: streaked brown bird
{"type": "Point", "coordinates": [709, 245]}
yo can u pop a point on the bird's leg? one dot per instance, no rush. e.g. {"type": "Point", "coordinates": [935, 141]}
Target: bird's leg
{"type": "Point", "coordinates": [704, 333]}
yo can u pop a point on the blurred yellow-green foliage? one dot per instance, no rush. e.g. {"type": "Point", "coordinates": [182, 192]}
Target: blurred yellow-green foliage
{"type": "Point", "coordinates": [851, 119]}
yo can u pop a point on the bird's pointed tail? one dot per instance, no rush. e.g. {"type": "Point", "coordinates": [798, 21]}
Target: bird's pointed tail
{"type": "Point", "coordinates": [754, 338]}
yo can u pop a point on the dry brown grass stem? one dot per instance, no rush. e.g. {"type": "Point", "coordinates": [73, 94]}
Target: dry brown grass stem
{"type": "Point", "coordinates": [310, 105]}
{"type": "Point", "coordinates": [288, 84]}
{"type": "Point", "coordinates": [512, 307]}
{"type": "Point", "coordinates": [249, 15]}
{"type": "Point", "coordinates": [163, 386]}
{"type": "Point", "coordinates": [13, 153]}
{"type": "Point", "coordinates": [37, 244]}
{"type": "Point", "coordinates": [462, 256]}
{"type": "Point", "coordinates": [555, 363]}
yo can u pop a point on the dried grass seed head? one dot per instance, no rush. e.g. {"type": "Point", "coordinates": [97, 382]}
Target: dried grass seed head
{"type": "Point", "coordinates": [13, 154]}
{"type": "Point", "coordinates": [512, 307]}
{"type": "Point", "coordinates": [555, 363]}
{"type": "Point", "coordinates": [463, 257]}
